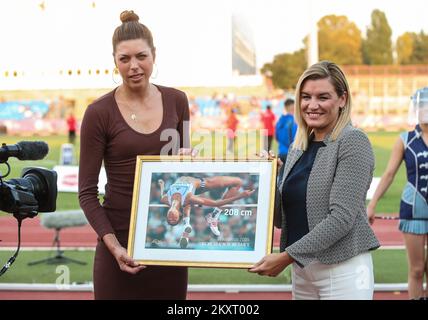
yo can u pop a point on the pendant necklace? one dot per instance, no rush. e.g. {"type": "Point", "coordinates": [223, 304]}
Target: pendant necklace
{"type": "Point", "coordinates": [133, 115]}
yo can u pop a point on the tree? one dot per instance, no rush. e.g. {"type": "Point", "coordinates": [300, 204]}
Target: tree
{"type": "Point", "coordinates": [405, 45]}
{"type": "Point", "coordinates": [377, 47]}
{"type": "Point", "coordinates": [420, 49]}
{"type": "Point", "coordinates": [286, 68]}
{"type": "Point", "coordinates": [412, 48]}
{"type": "Point", "coordinates": [339, 40]}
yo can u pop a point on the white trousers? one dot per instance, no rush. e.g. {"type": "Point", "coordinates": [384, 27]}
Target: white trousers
{"type": "Point", "coordinates": [349, 280]}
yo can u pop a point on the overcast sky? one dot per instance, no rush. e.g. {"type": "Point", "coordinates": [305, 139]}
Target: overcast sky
{"type": "Point", "coordinates": [278, 25]}
{"type": "Point", "coordinates": [191, 36]}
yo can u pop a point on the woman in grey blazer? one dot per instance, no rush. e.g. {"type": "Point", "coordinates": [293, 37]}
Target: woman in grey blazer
{"type": "Point", "coordinates": [320, 201]}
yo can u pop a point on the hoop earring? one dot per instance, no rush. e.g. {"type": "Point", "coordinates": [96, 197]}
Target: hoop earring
{"type": "Point", "coordinates": [113, 73]}
{"type": "Point", "coordinates": [156, 71]}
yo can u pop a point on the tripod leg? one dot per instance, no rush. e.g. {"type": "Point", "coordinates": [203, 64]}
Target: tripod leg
{"type": "Point", "coordinates": [67, 259]}
{"type": "Point", "coordinates": [32, 263]}
{"type": "Point", "coordinates": [49, 259]}
{"type": "Point", "coordinates": [57, 260]}
{"type": "Point", "coordinates": [59, 257]}
{"type": "Point", "coordinates": [58, 244]}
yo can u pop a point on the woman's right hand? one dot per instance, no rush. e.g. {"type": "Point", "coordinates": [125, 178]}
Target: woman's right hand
{"type": "Point", "coordinates": [272, 264]}
{"type": "Point", "coordinates": [125, 262]}
{"type": "Point", "coordinates": [270, 156]}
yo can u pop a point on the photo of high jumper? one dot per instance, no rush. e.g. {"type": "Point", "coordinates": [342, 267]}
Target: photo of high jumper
{"type": "Point", "coordinates": [202, 211]}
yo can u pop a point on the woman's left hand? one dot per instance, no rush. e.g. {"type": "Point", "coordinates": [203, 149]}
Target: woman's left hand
{"type": "Point", "coordinates": [272, 264]}
{"type": "Point", "coordinates": [188, 152]}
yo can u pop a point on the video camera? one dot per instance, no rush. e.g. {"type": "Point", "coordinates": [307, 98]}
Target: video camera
{"type": "Point", "coordinates": [36, 190]}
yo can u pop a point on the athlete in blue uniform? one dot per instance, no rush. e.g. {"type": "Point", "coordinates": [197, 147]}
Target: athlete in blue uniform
{"type": "Point", "coordinates": [412, 147]}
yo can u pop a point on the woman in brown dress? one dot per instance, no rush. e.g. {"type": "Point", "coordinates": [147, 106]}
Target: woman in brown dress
{"type": "Point", "coordinates": [135, 118]}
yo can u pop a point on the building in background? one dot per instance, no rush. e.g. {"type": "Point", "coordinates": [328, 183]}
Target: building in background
{"type": "Point", "coordinates": [243, 47]}
{"type": "Point", "coordinates": [381, 94]}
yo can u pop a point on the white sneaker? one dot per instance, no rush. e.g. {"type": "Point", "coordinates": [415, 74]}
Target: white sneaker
{"type": "Point", "coordinates": [188, 228]}
{"type": "Point", "coordinates": [213, 223]}
{"type": "Point", "coordinates": [184, 242]}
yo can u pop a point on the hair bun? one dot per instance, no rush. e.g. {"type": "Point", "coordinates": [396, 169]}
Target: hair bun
{"type": "Point", "coordinates": [129, 16]}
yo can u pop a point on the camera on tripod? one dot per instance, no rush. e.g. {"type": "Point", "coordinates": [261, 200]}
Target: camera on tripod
{"type": "Point", "coordinates": [36, 190]}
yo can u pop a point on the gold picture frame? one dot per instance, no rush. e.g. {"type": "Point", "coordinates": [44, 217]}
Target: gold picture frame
{"type": "Point", "coordinates": [235, 235]}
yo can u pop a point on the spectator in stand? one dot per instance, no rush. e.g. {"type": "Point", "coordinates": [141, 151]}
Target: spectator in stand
{"type": "Point", "coordinates": [71, 124]}
{"type": "Point", "coordinates": [193, 108]}
{"type": "Point", "coordinates": [285, 129]}
{"type": "Point", "coordinates": [231, 125]}
{"type": "Point", "coordinates": [268, 120]}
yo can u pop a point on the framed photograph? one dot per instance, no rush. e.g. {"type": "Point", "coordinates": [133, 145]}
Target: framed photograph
{"type": "Point", "coordinates": [202, 212]}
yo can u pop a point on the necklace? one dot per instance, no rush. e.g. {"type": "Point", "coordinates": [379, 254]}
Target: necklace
{"type": "Point", "coordinates": [133, 114]}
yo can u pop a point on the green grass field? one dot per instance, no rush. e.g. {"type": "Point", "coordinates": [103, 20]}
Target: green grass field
{"type": "Point", "coordinates": [389, 265]}
{"type": "Point", "coordinates": [382, 143]}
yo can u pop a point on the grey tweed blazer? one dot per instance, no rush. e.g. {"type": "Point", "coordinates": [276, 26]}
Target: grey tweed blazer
{"type": "Point", "coordinates": [335, 201]}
